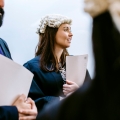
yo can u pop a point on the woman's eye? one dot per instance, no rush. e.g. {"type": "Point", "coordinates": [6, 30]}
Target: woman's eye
{"type": "Point", "coordinates": [65, 30]}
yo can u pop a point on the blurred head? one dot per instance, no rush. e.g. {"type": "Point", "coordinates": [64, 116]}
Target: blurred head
{"type": "Point", "coordinates": [96, 7]}
{"type": "Point", "coordinates": [1, 11]}
{"type": "Point", "coordinates": [54, 31]}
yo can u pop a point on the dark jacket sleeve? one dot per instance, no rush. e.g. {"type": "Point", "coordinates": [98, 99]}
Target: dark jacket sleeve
{"type": "Point", "coordinates": [69, 108]}
{"type": "Point", "coordinates": [37, 94]}
{"type": "Point", "coordinates": [87, 77]}
{"type": "Point", "coordinates": [8, 113]}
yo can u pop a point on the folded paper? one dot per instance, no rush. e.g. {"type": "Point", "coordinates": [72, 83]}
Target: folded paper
{"type": "Point", "coordinates": [14, 80]}
{"type": "Point", "coordinates": [76, 68]}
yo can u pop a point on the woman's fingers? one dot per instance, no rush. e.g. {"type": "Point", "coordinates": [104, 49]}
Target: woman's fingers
{"type": "Point", "coordinates": [69, 82]}
{"type": "Point", "coordinates": [29, 112]}
{"type": "Point", "coordinates": [28, 118]}
{"type": "Point", "coordinates": [66, 91]}
{"type": "Point", "coordinates": [21, 98]}
{"type": "Point", "coordinates": [30, 101]}
{"type": "Point", "coordinates": [65, 86]}
{"type": "Point", "coordinates": [28, 115]}
{"type": "Point", "coordinates": [69, 87]}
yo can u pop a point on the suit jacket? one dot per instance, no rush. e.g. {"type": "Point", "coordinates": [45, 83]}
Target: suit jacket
{"type": "Point", "coordinates": [99, 99]}
{"type": "Point", "coordinates": [8, 113]}
{"type": "Point", "coordinates": [46, 86]}
{"type": "Point", "coordinates": [5, 48]}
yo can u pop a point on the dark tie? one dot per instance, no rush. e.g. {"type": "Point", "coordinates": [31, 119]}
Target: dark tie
{"type": "Point", "coordinates": [1, 52]}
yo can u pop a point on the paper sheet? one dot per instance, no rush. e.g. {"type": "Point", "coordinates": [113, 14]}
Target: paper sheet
{"type": "Point", "coordinates": [76, 68]}
{"type": "Point", "coordinates": [14, 81]}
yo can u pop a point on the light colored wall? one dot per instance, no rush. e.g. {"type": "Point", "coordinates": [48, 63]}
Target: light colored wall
{"type": "Point", "coordinates": [22, 18]}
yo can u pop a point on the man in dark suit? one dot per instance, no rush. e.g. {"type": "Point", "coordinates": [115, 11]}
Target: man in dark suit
{"type": "Point", "coordinates": [4, 50]}
{"type": "Point", "coordinates": [22, 108]}
{"type": "Point", "coordinates": [99, 99]}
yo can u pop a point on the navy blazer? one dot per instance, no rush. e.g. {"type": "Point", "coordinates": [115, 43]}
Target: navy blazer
{"type": "Point", "coordinates": [46, 86]}
{"type": "Point", "coordinates": [8, 113]}
{"type": "Point", "coordinates": [5, 48]}
{"type": "Point", "coordinates": [99, 99]}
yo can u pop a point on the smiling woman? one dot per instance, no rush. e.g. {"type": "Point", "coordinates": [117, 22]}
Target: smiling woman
{"type": "Point", "coordinates": [49, 65]}
{"type": "Point", "coordinates": [63, 36]}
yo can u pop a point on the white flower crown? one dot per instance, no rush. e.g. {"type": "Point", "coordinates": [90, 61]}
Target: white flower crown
{"type": "Point", "coordinates": [52, 20]}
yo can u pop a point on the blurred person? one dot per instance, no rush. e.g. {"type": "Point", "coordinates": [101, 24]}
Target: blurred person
{"type": "Point", "coordinates": [4, 50]}
{"type": "Point", "coordinates": [23, 108]}
{"type": "Point", "coordinates": [49, 65]}
{"type": "Point", "coordinates": [100, 98]}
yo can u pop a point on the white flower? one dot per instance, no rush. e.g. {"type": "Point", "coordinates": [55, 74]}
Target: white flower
{"type": "Point", "coordinates": [53, 20]}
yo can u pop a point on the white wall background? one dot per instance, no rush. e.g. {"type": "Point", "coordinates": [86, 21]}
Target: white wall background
{"type": "Point", "coordinates": [22, 18]}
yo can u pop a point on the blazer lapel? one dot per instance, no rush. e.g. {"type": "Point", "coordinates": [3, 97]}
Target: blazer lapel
{"type": "Point", "coordinates": [5, 48]}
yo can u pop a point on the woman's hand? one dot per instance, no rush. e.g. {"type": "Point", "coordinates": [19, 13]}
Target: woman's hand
{"type": "Point", "coordinates": [20, 103]}
{"type": "Point", "coordinates": [69, 87]}
{"type": "Point", "coordinates": [29, 114]}
{"type": "Point", "coordinates": [26, 108]}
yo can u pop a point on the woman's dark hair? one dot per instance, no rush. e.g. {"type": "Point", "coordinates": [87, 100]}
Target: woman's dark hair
{"type": "Point", "coordinates": [45, 49]}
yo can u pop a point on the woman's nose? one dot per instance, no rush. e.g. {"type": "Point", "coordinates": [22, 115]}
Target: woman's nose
{"type": "Point", "coordinates": [70, 33]}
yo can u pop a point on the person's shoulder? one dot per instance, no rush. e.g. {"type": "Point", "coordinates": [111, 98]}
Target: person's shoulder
{"type": "Point", "coordinates": [34, 60]}
{"type": "Point", "coordinates": [33, 63]}
{"type": "Point", "coordinates": [2, 41]}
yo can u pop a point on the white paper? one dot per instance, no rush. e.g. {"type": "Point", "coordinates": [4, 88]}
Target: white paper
{"type": "Point", "coordinates": [76, 68]}
{"type": "Point", "coordinates": [14, 80]}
